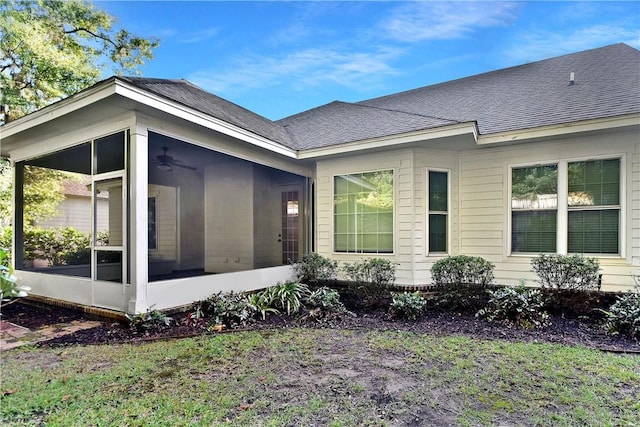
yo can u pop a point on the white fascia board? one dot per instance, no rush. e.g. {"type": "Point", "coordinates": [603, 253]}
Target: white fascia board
{"type": "Point", "coordinates": [561, 129]}
{"type": "Point", "coordinates": [199, 118]}
{"type": "Point", "coordinates": [58, 109]}
{"type": "Point", "coordinates": [393, 140]}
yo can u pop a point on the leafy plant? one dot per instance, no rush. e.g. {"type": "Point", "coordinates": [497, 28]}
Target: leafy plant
{"type": "Point", "coordinates": [151, 319]}
{"type": "Point", "coordinates": [519, 305]}
{"type": "Point", "coordinates": [228, 309]}
{"type": "Point", "coordinates": [371, 281]}
{"type": "Point", "coordinates": [623, 316]}
{"type": "Point", "coordinates": [287, 296]}
{"type": "Point", "coordinates": [315, 269]}
{"type": "Point", "coordinates": [462, 270]}
{"type": "Point", "coordinates": [9, 288]}
{"type": "Point", "coordinates": [262, 303]}
{"type": "Point", "coordinates": [407, 305]}
{"type": "Point", "coordinates": [325, 298]}
{"type": "Point", "coordinates": [567, 272]}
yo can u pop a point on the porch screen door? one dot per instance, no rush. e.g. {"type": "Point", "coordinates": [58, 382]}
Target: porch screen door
{"type": "Point", "coordinates": [291, 225]}
{"type": "Point", "coordinates": [109, 230]}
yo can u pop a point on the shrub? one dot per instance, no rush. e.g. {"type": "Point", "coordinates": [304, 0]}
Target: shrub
{"type": "Point", "coordinates": [567, 272]}
{"type": "Point", "coordinates": [519, 306]}
{"type": "Point", "coordinates": [262, 303]}
{"type": "Point", "coordinates": [229, 309]}
{"type": "Point", "coordinates": [370, 281]}
{"type": "Point", "coordinates": [59, 246]}
{"type": "Point", "coordinates": [149, 320]}
{"type": "Point", "coordinates": [623, 317]}
{"type": "Point", "coordinates": [9, 288]}
{"type": "Point", "coordinates": [287, 296]}
{"type": "Point", "coordinates": [407, 305]}
{"type": "Point", "coordinates": [315, 269]}
{"type": "Point", "coordinates": [462, 270]}
{"type": "Point", "coordinates": [326, 299]}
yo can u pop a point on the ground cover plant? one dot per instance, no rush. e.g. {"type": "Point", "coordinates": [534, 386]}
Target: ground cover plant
{"type": "Point", "coordinates": [320, 376]}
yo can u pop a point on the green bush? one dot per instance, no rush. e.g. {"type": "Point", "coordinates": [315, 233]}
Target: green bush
{"type": "Point", "coordinates": [262, 303]}
{"type": "Point", "coordinates": [229, 309]}
{"type": "Point", "coordinates": [9, 288]}
{"type": "Point", "coordinates": [314, 269]}
{"type": "Point", "coordinates": [370, 281]}
{"type": "Point", "coordinates": [287, 296]}
{"type": "Point", "coordinates": [462, 270]}
{"type": "Point", "coordinates": [59, 246]}
{"type": "Point", "coordinates": [407, 305]}
{"type": "Point", "coordinates": [519, 306]}
{"type": "Point", "coordinates": [623, 317]}
{"type": "Point", "coordinates": [326, 299]}
{"type": "Point", "coordinates": [567, 272]}
{"type": "Point", "coordinates": [149, 320]}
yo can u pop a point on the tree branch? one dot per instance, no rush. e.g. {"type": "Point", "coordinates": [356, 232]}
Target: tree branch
{"type": "Point", "coordinates": [98, 36]}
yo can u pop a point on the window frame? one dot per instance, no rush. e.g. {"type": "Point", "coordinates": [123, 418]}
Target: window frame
{"type": "Point", "coordinates": [562, 220]}
{"type": "Point", "coordinates": [429, 212]}
{"type": "Point", "coordinates": [394, 173]}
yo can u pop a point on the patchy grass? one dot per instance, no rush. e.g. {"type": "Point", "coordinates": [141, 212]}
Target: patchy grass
{"type": "Point", "coordinates": [294, 377]}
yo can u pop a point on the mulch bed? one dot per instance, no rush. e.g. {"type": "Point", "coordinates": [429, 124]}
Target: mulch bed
{"type": "Point", "coordinates": [562, 330]}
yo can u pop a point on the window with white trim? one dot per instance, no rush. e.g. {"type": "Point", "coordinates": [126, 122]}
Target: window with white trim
{"type": "Point", "coordinates": [583, 217]}
{"type": "Point", "coordinates": [438, 192]}
{"type": "Point", "coordinates": [363, 212]}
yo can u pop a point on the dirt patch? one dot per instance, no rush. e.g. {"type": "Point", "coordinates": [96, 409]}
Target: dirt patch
{"type": "Point", "coordinates": [562, 330]}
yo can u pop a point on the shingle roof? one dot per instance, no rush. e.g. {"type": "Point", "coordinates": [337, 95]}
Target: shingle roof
{"type": "Point", "coordinates": [187, 94]}
{"type": "Point", "coordinates": [607, 84]}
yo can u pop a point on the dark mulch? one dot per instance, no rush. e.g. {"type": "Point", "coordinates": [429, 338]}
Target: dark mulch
{"type": "Point", "coordinates": [562, 330]}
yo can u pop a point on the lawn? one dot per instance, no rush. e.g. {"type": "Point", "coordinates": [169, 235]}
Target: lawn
{"type": "Point", "coordinates": [318, 377]}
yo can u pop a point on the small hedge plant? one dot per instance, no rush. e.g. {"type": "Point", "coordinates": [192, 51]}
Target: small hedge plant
{"type": "Point", "coordinates": [460, 282]}
{"type": "Point", "coordinates": [370, 281]}
{"type": "Point", "coordinates": [567, 272]}
{"type": "Point", "coordinates": [623, 317]}
{"type": "Point", "coordinates": [407, 305]}
{"type": "Point", "coordinates": [314, 269]}
{"type": "Point", "coordinates": [517, 306]}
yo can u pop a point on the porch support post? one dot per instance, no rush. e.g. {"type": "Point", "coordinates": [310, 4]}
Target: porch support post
{"type": "Point", "coordinates": [138, 213]}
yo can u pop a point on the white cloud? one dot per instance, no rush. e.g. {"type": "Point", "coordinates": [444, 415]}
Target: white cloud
{"type": "Point", "coordinates": [533, 46]}
{"type": "Point", "coordinates": [299, 70]}
{"type": "Point", "coordinates": [419, 21]}
{"type": "Point", "coordinates": [201, 35]}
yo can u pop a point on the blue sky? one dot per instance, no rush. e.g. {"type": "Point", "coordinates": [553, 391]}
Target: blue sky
{"type": "Point", "coordinates": [283, 57]}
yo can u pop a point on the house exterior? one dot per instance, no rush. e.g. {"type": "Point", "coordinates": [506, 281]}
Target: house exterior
{"type": "Point", "coordinates": [206, 196]}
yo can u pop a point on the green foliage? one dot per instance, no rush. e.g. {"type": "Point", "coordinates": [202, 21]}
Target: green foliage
{"type": "Point", "coordinates": [370, 281]}
{"type": "Point", "coordinates": [262, 303]}
{"type": "Point", "coordinates": [9, 287]}
{"type": "Point", "coordinates": [229, 309]}
{"type": "Point", "coordinates": [287, 296]}
{"type": "Point", "coordinates": [326, 299]}
{"type": "Point", "coordinates": [149, 320]}
{"type": "Point", "coordinates": [462, 270]}
{"type": "Point", "coordinates": [623, 317]}
{"type": "Point", "coordinates": [51, 49]}
{"type": "Point", "coordinates": [567, 272]}
{"type": "Point", "coordinates": [519, 306]}
{"type": "Point", "coordinates": [59, 246]}
{"type": "Point", "coordinates": [407, 305]}
{"type": "Point", "coordinates": [314, 269]}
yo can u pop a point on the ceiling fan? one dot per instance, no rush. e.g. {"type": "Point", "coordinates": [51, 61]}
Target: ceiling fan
{"type": "Point", "coordinates": [166, 163]}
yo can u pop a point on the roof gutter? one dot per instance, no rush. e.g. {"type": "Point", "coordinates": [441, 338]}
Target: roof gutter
{"type": "Point", "coordinates": [458, 129]}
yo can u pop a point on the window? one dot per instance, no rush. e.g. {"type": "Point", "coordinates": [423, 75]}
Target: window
{"type": "Point", "coordinates": [438, 211]}
{"type": "Point", "coordinates": [534, 208]}
{"type": "Point", "coordinates": [594, 206]}
{"type": "Point", "coordinates": [363, 212]}
{"type": "Point", "coordinates": [153, 226]}
{"type": "Point", "coordinates": [589, 219]}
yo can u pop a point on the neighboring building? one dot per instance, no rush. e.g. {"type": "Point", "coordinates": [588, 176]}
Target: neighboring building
{"type": "Point", "coordinates": [206, 196]}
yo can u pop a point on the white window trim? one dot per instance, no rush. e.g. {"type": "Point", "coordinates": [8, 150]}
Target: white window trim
{"type": "Point", "coordinates": [333, 215]}
{"type": "Point", "coordinates": [562, 225]}
{"type": "Point", "coordinates": [428, 212]}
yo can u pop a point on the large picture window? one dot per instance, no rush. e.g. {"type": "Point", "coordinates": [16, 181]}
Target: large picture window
{"type": "Point", "coordinates": [363, 212]}
{"type": "Point", "coordinates": [438, 211]}
{"type": "Point", "coordinates": [589, 221]}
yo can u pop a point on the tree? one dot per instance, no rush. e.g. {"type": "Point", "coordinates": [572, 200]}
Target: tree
{"type": "Point", "coordinates": [50, 49]}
